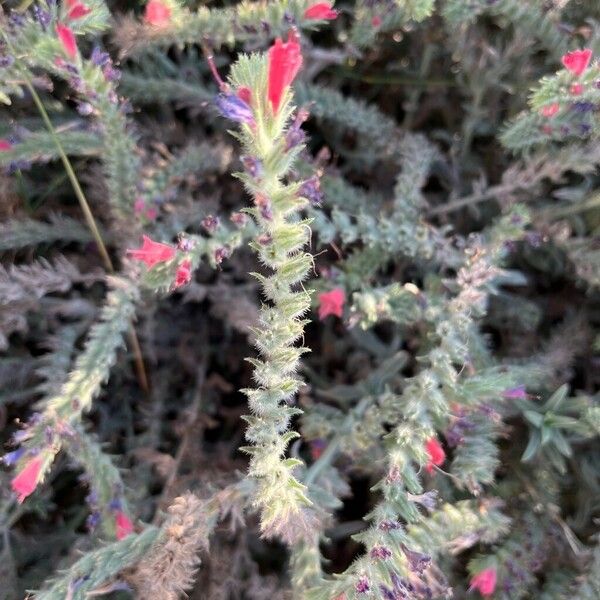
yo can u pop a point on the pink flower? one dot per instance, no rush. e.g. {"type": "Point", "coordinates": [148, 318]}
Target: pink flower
{"type": "Point", "coordinates": [376, 21]}
{"type": "Point", "coordinates": [5, 146]}
{"type": "Point", "coordinates": [331, 303]}
{"type": "Point", "coordinates": [157, 13]}
{"type": "Point", "coordinates": [577, 61]}
{"type": "Point", "coordinates": [436, 453]}
{"type": "Point", "coordinates": [151, 213]}
{"type": "Point", "coordinates": [152, 252]}
{"type": "Point", "coordinates": [67, 40]}
{"type": "Point", "coordinates": [77, 10]}
{"type": "Point", "coordinates": [26, 481]}
{"type": "Point", "coordinates": [576, 89]}
{"type": "Point", "coordinates": [550, 110]}
{"type": "Point", "coordinates": [184, 273]}
{"type": "Point", "coordinates": [484, 581]}
{"type": "Point", "coordinates": [321, 11]}
{"type": "Point", "coordinates": [285, 61]}
{"type": "Point", "coordinates": [516, 393]}
{"type": "Point", "coordinates": [138, 206]}
{"type": "Point", "coordinates": [123, 524]}
{"type": "Point", "coordinates": [245, 93]}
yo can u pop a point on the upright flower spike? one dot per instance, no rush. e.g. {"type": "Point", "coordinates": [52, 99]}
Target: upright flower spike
{"type": "Point", "coordinates": [26, 481]}
{"type": "Point", "coordinates": [577, 61]}
{"type": "Point", "coordinates": [332, 303]}
{"type": "Point", "coordinates": [484, 582]}
{"type": "Point", "coordinates": [285, 60]}
{"type": "Point", "coordinates": [123, 525]}
{"type": "Point", "coordinates": [151, 253]}
{"type": "Point", "coordinates": [67, 40]}
{"type": "Point", "coordinates": [280, 243]}
{"type": "Point", "coordinates": [321, 11]}
{"type": "Point", "coordinates": [157, 13]}
{"type": "Point", "coordinates": [436, 454]}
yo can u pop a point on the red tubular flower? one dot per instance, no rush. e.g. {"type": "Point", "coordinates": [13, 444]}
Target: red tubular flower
{"type": "Point", "coordinates": [484, 581]}
{"type": "Point", "coordinates": [184, 273]}
{"type": "Point", "coordinates": [26, 481]}
{"type": "Point", "coordinates": [67, 40]}
{"type": "Point", "coordinates": [5, 146]}
{"type": "Point", "coordinates": [157, 13]}
{"type": "Point", "coordinates": [436, 453]}
{"type": "Point", "coordinates": [577, 61]}
{"type": "Point", "coordinates": [77, 10]}
{"type": "Point", "coordinates": [550, 110]}
{"type": "Point", "coordinates": [245, 93]}
{"type": "Point", "coordinates": [332, 303]}
{"type": "Point", "coordinates": [123, 524]}
{"type": "Point", "coordinates": [321, 11]}
{"type": "Point", "coordinates": [285, 61]}
{"type": "Point", "coordinates": [152, 252]}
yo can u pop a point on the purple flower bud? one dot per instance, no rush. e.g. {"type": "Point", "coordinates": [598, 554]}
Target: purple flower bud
{"type": "Point", "coordinates": [234, 108]}
{"type": "Point", "coordinates": [115, 504]}
{"type": "Point", "coordinates": [221, 254]}
{"type": "Point", "coordinates": [583, 107]}
{"type": "Point", "coordinates": [389, 525]}
{"type": "Point", "coordinates": [110, 73]}
{"type": "Point", "coordinates": [92, 498]}
{"type": "Point", "coordinates": [516, 393]}
{"type": "Point", "coordinates": [362, 585]}
{"type": "Point", "coordinates": [13, 457]}
{"type": "Point", "coordinates": [311, 190]}
{"type": "Point", "coordinates": [93, 520]}
{"type": "Point", "coordinates": [380, 553]}
{"type": "Point", "coordinates": [428, 499]}
{"type": "Point", "coordinates": [252, 165]}
{"type": "Point", "coordinates": [239, 219]}
{"type": "Point", "coordinates": [41, 16]}
{"type": "Point", "coordinates": [185, 244]}
{"type": "Point", "coordinates": [417, 561]}
{"type": "Point", "coordinates": [99, 57]}
{"type": "Point", "coordinates": [16, 19]}
{"type": "Point", "coordinates": [265, 239]}
{"type": "Point", "coordinates": [6, 61]}
{"type": "Point", "coordinates": [210, 223]}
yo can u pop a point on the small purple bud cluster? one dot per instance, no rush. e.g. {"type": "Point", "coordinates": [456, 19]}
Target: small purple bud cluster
{"type": "Point", "coordinates": [311, 190]}
{"type": "Point", "coordinates": [41, 16]}
{"type": "Point", "coordinates": [222, 253]}
{"type": "Point", "coordinates": [455, 434]}
{"type": "Point", "coordinates": [295, 135]}
{"type": "Point", "coordinates": [210, 224]}
{"type": "Point", "coordinates": [253, 166]}
{"type": "Point", "coordinates": [264, 207]}
{"type": "Point", "coordinates": [234, 108]}
{"type": "Point", "coordinates": [362, 585]}
{"type": "Point", "coordinates": [380, 553]}
{"type": "Point", "coordinates": [427, 500]}
{"type": "Point", "coordinates": [239, 219]}
{"type": "Point", "coordinates": [417, 561]}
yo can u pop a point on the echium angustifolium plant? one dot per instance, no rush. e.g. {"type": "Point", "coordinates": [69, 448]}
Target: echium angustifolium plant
{"type": "Point", "coordinates": [367, 252]}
